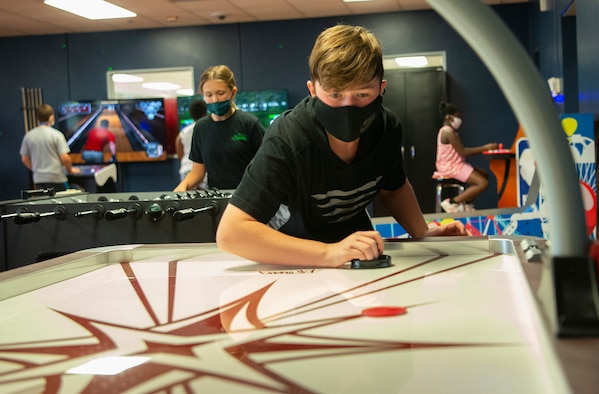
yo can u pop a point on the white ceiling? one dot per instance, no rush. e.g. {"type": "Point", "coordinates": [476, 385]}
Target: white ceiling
{"type": "Point", "coordinates": [33, 17]}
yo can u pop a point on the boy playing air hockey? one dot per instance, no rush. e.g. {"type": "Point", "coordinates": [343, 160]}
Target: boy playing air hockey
{"type": "Point", "coordinates": [303, 198]}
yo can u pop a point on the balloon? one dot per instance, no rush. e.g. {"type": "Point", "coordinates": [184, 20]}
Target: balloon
{"type": "Point", "coordinates": [569, 125]}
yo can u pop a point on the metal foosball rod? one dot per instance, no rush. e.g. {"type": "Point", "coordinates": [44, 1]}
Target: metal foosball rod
{"type": "Point", "coordinates": [60, 213]}
{"type": "Point", "coordinates": [97, 212]}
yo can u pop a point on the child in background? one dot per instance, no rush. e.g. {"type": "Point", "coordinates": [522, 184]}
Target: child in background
{"type": "Point", "coordinates": [451, 161]}
{"type": "Point", "coordinates": [197, 110]}
{"type": "Point", "coordinates": [45, 152]}
{"type": "Point", "coordinates": [226, 141]}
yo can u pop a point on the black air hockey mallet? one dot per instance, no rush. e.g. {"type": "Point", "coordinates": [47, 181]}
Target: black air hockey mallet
{"type": "Point", "coordinates": [383, 261]}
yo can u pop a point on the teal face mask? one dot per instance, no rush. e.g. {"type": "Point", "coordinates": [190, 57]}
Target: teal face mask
{"type": "Point", "coordinates": [220, 108]}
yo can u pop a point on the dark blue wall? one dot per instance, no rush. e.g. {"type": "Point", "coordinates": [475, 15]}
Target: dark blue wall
{"type": "Point", "coordinates": [587, 33]}
{"type": "Point", "coordinates": [264, 55]}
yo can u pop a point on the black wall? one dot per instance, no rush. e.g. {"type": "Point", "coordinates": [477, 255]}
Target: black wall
{"type": "Point", "coordinates": [265, 55]}
{"type": "Point", "coordinates": [587, 36]}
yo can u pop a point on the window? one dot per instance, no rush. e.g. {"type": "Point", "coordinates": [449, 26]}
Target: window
{"type": "Point", "coordinates": [149, 83]}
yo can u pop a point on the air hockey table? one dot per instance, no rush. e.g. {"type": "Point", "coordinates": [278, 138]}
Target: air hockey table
{"type": "Point", "coordinates": [448, 316]}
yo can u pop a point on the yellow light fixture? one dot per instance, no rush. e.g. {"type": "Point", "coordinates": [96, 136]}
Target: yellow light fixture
{"type": "Point", "coordinates": [91, 9]}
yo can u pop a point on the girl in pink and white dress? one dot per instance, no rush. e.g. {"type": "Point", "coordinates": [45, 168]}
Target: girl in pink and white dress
{"type": "Point", "coordinates": [451, 161]}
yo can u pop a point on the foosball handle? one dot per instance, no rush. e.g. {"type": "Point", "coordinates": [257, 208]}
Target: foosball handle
{"type": "Point", "coordinates": [27, 217]}
{"type": "Point", "coordinates": [134, 210]}
{"type": "Point", "coordinates": [97, 212]}
{"type": "Point", "coordinates": [115, 214]}
{"type": "Point", "coordinates": [26, 194]}
{"type": "Point", "coordinates": [183, 214]}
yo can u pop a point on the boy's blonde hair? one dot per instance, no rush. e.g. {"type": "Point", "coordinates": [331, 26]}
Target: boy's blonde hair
{"type": "Point", "coordinates": [345, 55]}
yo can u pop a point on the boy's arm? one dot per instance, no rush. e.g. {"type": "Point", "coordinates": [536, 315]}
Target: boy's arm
{"type": "Point", "coordinates": [404, 207]}
{"type": "Point", "coordinates": [26, 160]}
{"type": "Point", "coordinates": [241, 234]}
{"type": "Point", "coordinates": [68, 164]}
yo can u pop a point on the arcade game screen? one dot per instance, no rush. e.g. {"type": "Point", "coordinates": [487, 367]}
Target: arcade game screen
{"type": "Point", "coordinates": [266, 105]}
{"type": "Point", "coordinates": [183, 103]}
{"type": "Point", "coordinates": [137, 126]}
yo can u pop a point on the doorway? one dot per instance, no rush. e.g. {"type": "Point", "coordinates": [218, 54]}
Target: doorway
{"type": "Point", "coordinates": [415, 94]}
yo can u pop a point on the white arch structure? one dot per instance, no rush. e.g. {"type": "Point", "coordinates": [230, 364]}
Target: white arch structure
{"type": "Point", "coordinates": [571, 296]}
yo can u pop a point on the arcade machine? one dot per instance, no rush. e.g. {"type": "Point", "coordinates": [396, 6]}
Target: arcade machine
{"type": "Point", "coordinates": [502, 163]}
{"type": "Point", "coordinates": [434, 315]}
{"type": "Point", "coordinates": [96, 178]}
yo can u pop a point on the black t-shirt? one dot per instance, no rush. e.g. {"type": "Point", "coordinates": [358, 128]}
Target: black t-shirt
{"type": "Point", "coordinates": [226, 147]}
{"type": "Point", "coordinates": [298, 185]}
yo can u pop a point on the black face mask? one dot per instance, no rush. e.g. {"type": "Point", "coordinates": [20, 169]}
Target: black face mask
{"type": "Point", "coordinates": [346, 123]}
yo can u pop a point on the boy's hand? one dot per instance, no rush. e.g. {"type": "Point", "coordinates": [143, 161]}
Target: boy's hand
{"type": "Point", "coordinates": [362, 245]}
{"type": "Point", "coordinates": [453, 228]}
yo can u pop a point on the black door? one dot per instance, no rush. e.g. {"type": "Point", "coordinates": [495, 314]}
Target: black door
{"type": "Point", "coordinates": [415, 96]}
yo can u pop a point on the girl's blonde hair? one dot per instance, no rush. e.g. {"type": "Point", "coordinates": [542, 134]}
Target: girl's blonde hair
{"type": "Point", "coordinates": [222, 73]}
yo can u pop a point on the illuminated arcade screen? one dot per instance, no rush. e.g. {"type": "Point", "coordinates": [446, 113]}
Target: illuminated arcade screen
{"type": "Point", "coordinates": [138, 127]}
{"type": "Point", "coordinates": [266, 105]}
{"type": "Point", "coordinates": [183, 104]}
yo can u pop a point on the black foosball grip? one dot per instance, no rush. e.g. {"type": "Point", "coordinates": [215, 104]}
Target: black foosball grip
{"type": "Point", "coordinates": [135, 210]}
{"type": "Point", "coordinates": [25, 194]}
{"type": "Point", "coordinates": [115, 214]}
{"type": "Point", "coordinates": [183, 214]}
{"type": "Point", "coordinates": [27, 217]}
{"type": "Point", "coordinates": [96, 212]}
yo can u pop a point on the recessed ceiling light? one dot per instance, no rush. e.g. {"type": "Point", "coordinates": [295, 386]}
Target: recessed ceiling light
{"type": "Point", "coordinates": [411, 61]}
{"type": "Point", "coordinates": [91, 9]}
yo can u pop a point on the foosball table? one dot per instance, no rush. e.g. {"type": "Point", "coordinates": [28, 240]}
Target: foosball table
{"type": "Point", "coordinates": [43, 226]}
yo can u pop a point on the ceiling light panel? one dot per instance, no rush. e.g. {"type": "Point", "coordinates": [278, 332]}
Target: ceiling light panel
{"type": "Point", "coordinates": [91, 9]}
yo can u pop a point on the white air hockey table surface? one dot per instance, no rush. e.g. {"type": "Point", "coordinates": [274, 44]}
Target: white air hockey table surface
{"type": "Point", "coordinates": [189, 318]}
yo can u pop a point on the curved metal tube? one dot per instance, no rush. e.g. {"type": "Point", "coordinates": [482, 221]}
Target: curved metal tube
{"type": "Point", "coordinates": [529, 98]}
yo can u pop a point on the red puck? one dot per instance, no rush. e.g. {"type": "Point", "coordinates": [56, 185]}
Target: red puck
{"type": "Point", "coordinates": [383, 311]}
